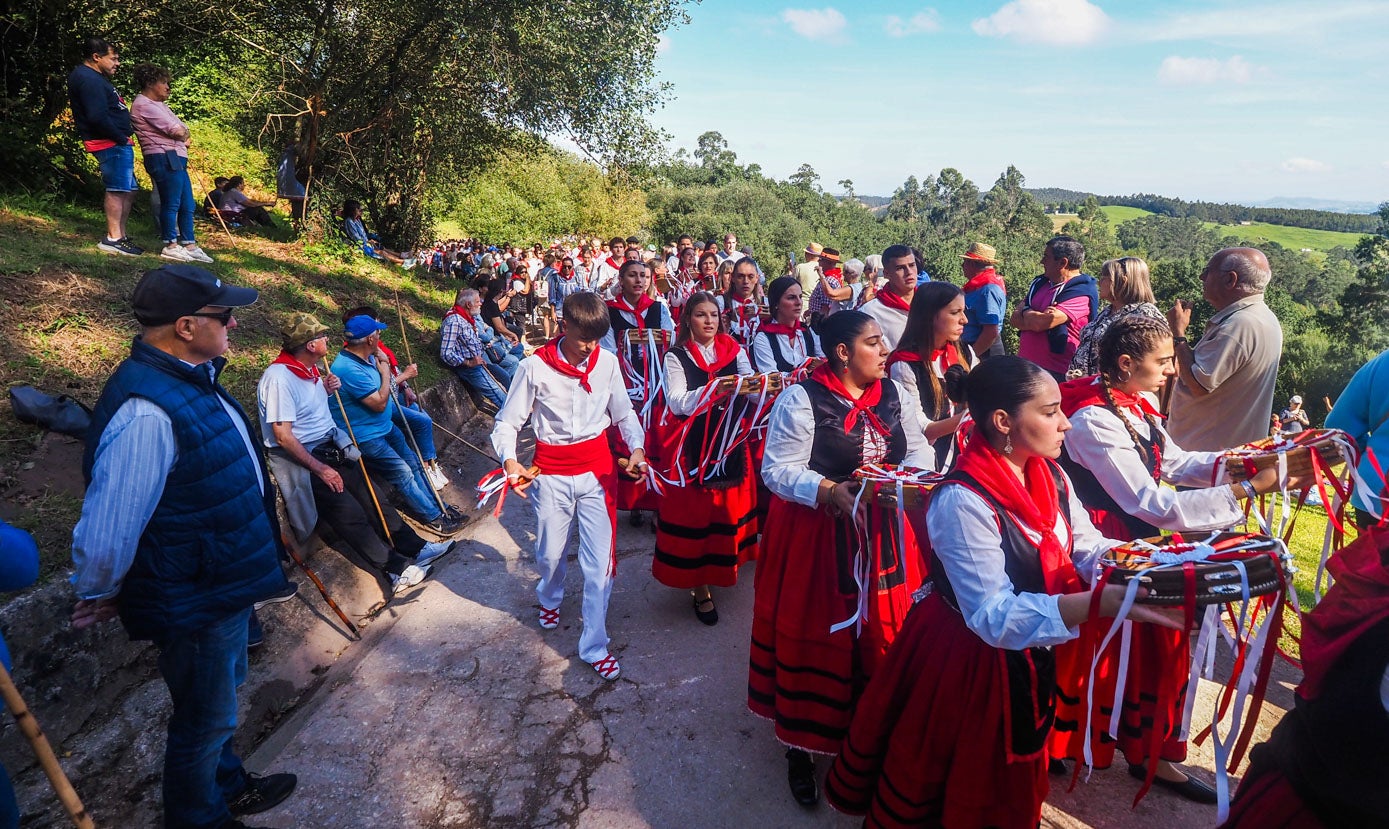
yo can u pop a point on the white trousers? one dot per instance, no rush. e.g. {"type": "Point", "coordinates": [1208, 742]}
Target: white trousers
{"type": "Point", "coordinates": [559, 501]}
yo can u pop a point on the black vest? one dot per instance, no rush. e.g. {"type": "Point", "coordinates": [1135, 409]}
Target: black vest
{"type": "Point", "coordinates": [835, 453]}
{"type": "Point", "coordinates": [737, 464]}
{"type": "Point", "coordinates": [783, 363]}
{"type": "Point", "coordinates": [1094, 496]}
{"type": "Point", "coordinates": [652, 319]}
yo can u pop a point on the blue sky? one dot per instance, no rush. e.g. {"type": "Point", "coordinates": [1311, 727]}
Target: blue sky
{"type": "Point", "coordinates": [1216, 100]}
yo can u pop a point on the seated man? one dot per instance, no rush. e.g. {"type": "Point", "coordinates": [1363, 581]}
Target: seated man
{"type": "Point", "coordinates": [463, 348]}
{"type": "Point", "coordinates": [365, 410]}
{"type": "Point", "coordinates": [216, 196]}
{"type": "Point", "coordinates": [235, 201]}
{"type": "Point", "coordinates": [313, 470]}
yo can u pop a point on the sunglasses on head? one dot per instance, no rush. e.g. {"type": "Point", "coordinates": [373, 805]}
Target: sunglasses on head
{"type": "Point", "coordinates": [223, 317]}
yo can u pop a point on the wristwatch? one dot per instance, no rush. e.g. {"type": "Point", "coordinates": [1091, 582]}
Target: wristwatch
{"type": "Point", "coordinates": [1179, 339]}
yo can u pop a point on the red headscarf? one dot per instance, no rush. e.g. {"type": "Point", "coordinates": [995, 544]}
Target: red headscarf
{"type": "Point", "coordinates": [862, 405]}
{"type": "Point", "coordinates": [725, 351]}
{"type": "Point", "coordinates": [892, 300]}
{"type": "Point", "coordinates": [549, 354]}
{"type": "Point", "coordinates": [297, 368]}
{"type": "Point", "coordinates": [1032, 502]}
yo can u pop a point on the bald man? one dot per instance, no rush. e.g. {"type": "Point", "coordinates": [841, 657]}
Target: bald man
{"type": "Point", "coordinates": [1224, 391]}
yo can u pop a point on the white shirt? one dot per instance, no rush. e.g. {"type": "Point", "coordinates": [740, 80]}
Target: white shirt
{"type": "Point", "coordinates": [560, 411]}
{"type": "Point", "coordinates": [680, 398]}
{"type": "Point", "coordinates": [965, 536]}
{"type": "Point", "coordinates": [892, 321]}
{"type": "Point", "coordinates": [603, 276]}
{"type": "Point", "coordinates": [1099, 442]}
{"type": "Point", "coordinates": [791, 434]}
{"type": "Point", "coordinates": [792, 348]}
{"type": "Point", "coordinates": [282, 397]}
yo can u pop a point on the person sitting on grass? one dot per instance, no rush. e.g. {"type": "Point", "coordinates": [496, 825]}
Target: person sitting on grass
{"type": "Point", "coordinates": [356, 231]}
{"type": "Point", "coordinates": [235, 201]}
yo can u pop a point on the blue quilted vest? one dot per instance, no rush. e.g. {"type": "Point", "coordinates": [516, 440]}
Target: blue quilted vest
{"type": "Point", "coordinates": [212, 546]}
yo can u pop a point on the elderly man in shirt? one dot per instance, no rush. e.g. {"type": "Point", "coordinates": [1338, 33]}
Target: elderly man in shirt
{"type": "Point", "coordinates": [1224, 388]}
{"type": "Point", "coordinates": [463, 349]}
{"type": "Point", "coordinates": [1058, 305]}
{"type": "Point", "coordinates": [178, 534]}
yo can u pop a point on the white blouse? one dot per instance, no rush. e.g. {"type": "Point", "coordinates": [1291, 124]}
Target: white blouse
{"type": "Point", "coordinates": [966, 538]}
{"type": "Point", "coordinates": [1099, 442]}
{"type": "Point", "coordinates": [792, 348]}
{"type": "Point", "coordinates": [680, 398]}
{"type": "Point", "coordinates": [560, 411]}
{"type": "Point", "coordinates": [791, 434]}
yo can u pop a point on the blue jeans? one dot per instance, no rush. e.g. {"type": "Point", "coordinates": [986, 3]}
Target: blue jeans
{"type": "Point", "coordinates": [480, 380]}
{"type": "Point", "coordinates": [421, 425]}
{"type": "Point", "coordinates": [203, 669]}
{"type": "Point", "coordinates": [169, 172]}
{"type": "Point", "coordinates": [391, 457]}
{"type": "Point", "coordinates": [503, 356]}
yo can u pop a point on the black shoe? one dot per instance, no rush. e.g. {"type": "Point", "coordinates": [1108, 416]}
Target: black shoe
{"type": "Point", "coordinates": [1192, 788]}
{"type": "Point", "coordinates": [709, 617]}
{"type": "Point", "coordinates": [634, 518]}
{"type": "Point", "coordinates": [446, 524]}
{"type": "Point", "coordinates": [255, 634]}
{"type": "Point", "coordinates": [233, 823]}
{"type": "Point", "coordinates": [131, 246]}
{"type": "Point", "coordinates": [800, 773]}
{"type": "Point", "coordinates": [262, 793]}
{"type": "Point", "coordinates": [1057, 767]}
{"type": "Point", "coordinates": [289, 591]}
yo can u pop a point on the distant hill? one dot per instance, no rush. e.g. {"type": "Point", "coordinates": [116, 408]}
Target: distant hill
{"type": "Point", "coordinates": [1060, 200]}
{"type": "Point", "coordinates": [1331, 205]}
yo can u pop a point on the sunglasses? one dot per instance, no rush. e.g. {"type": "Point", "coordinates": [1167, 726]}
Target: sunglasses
{"type": "Point", "coordinates": [223, 317]}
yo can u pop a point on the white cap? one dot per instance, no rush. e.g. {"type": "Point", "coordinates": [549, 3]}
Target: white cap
{"type": "Point", "coordinates": [1296, 398]}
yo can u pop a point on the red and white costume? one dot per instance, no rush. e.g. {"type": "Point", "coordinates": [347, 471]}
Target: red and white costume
{"type": "Point", "coordinates": [741, 318]}
{"type": "Point", "coordinates": [909, 369]}
{"type": "Point", "coordinates": [1120, 485]}
{"type": "Point", "coordinates": [890, 312]}
{"type": "Point", "coordinates": [642, 369]}
{"type": "Point", "coordinates": [570, 409]}
{"type": "Point", "coordinates": [707, 529]}
{"type": "Point", "coordinates": [783, 348]}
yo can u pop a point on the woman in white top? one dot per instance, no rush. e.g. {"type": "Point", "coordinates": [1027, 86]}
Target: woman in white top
{"type": "Point", "coordinates": [783, 343]}
{"type": "Point", "coordinates": [741, 304]}
{"type": "Point", "coordinates": [707, 528]}
{"type": "Point", "coordinates": [930, 360]}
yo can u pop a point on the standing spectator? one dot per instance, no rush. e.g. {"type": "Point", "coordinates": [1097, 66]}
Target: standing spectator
{"type": "Point", "coordinates": [829, 288]}
{"type": "Point", "coordinates": [1226, 389]}
{"type": "Point", "coordinates": [808, 272]}
{"type": "Point", "coordinates": [103, 124]}
{"type": "Point", "coordinates": [19, 568]}
{"type": "Point", "coordinates": [1059, 304]}
{"type": "Point", "coordinates": [986, 301]}
{"type": "Point", "coordinates": [164, 145]}
{"type": "Point", "coordinates": [178, 534]}
{"type": "Point", "coordinates": [730, 252]}
{"type": "Point", "coordinates": [1362, 411]}
{"type": "Point", "coordinates": [1125, 287]}
{"type": "Point", "coordinates": [890, 305]}
{"type": "Point", "coordinates": [288, 185]}
{"type": "Point", "coordinates": [1293, 419]}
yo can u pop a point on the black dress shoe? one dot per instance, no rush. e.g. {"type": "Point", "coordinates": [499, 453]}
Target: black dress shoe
{"type": "Point", "coordinates": [1057, 767]}
{"type": "Point", "coordinates": [709, 617]}
{"type": "Point", "coordinates": [1192, 788]}
{"type": "Point", "coordinates": [262, 793]}
{"type": "Point", "coordinates": [800, 773]}
{"type": "Point", "coordinates": [634, 518]}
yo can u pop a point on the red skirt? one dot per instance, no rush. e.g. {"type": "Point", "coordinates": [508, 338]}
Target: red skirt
{"type": "Point", "coordinates": [635, 495]}
{"type": "Point", "coordinates": [927, 747]}
{"type": "Point", "coordinates": [704, 534]}
{"type": "Point", "coordinates": [1154, 691]}
{"type": "Point", "coordinates": [1266, 800]}
{"type": "Point", "coordinates": [802, 677]}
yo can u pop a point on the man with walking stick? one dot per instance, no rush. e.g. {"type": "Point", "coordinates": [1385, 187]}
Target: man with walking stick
{"type": "Point", "coordinates": [319, 471]}
{"type": "Point", "coordinates": [178, 534]}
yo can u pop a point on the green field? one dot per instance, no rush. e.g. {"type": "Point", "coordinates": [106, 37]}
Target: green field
{"type": "Point", "coordinates": [1293, 238]}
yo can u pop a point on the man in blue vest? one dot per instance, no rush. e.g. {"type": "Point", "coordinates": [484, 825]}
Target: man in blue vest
{"type": "Point", "coordinates": [178, 535]}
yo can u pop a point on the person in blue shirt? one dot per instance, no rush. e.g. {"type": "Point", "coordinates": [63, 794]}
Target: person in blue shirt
{"type": "Point", "coordinates": [986, 301]}
{"type": "Point", "coordinates": [1362, 411]}
{"type": "Point", "coordinates": [19, 567]}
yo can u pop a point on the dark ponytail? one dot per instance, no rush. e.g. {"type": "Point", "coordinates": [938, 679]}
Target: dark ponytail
{"type": "Point", "coordinates": [838, 329]}
{"type": "Point", "coordinates": [1004, 382]}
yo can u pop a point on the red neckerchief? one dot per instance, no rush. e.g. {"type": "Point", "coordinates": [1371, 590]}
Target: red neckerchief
{"type": "Point", "coordinates": [793, 330]}
{"type": "Point", "coordinates": [863, 404]}
{"type": "Point", "coordinates": [297, 368]}
{"type": "Point", "coordinates": [460, 311]}
{"type": "Point", "coordinates": [949, 352]}
{"type": "Point", "coordinates": [549, 354]}
{"type": "Point", "coordinates": [725, 351]}
{"type": "Point", "coordinates": [892, 300]}
{"type": "Point", "coordinates": [390, 358]}
{"type": "Point", "coordinates": [643, 302]}
{"type": "Point", "coordinates": [569, 277]}
{"type": "Point", "coordinates": [1035, 505]}
{"type": "Point", "coordinates": [1357, 601]}
{"type": "Point", "coordinates": [1086, 391]}
{"type": "Point", "coordinates": [614, 265]}
{"type": "Point", "coordinates": [988, 276]}
{"type": "Point", "coordinates": [900, 356]}
{"type": "Point", "coordinates": [835, 273]}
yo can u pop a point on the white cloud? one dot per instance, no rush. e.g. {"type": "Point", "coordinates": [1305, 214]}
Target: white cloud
{"type": "Point", "coordinates": [1203, 71]}
{"type": "Point", "coordinates": [923, 22]}
{"type": "Point", "coordinates": [1286, 19]}
{"type": "Point", "coordinates": [1305, 165]}
{"type": "Point", "coordinates": [815, 24]}
{"type": "Point", "coordinates": [1057, 22]}
{"type": "Point", "coordinates": [662, 43]}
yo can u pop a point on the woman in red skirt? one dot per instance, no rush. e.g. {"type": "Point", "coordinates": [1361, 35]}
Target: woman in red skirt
{"type": "Point", "coordinates": [952, 730]}
{"type": "Point", "coordinates": [707, 528]}
{"type": "Point", "coordinates": [1119, 455]}
{"type": "Point", "coordinates": [831, 592]}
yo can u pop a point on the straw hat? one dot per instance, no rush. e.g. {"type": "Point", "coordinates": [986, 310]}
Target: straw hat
{"type": "Point", "coordinates": [813, 249]}
{"type": "Point", "coordinates": [980, 252]}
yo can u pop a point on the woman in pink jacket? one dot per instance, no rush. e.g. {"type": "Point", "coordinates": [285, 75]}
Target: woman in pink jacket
{"type": "Point", "coordinates": [164, 144]}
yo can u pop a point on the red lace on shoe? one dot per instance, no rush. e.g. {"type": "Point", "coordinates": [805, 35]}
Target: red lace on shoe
{"type": "Point", "coordinates": [549, 618]}
{"type": "Point", "coordinates": [607, 667]}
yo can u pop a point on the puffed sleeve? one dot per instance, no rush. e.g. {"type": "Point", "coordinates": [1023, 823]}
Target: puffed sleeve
{"type": "Point", "coordinates": [905, 379]}
{"type": "Point", "coordinates": [790, 435]}
{"type": "Point", "coordinates": [762, 353]}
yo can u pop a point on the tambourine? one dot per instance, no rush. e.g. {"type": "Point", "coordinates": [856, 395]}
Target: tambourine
{"type": "Point", "coordinates": [642, 336]}
{"type": "Point", "coordinates": [884, 482]}
{"type": "Point", "coordinates": [1227, 567]}
{"type": "Point", "coordinates": [1301, 450]}
{"type": "Point", "coordinates": [752, 384]}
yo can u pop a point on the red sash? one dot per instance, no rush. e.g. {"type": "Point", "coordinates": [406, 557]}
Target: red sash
{"type": "Point", "coordinates": [892, 300]}
{"type": "Point", "coordinates": [592, 455]}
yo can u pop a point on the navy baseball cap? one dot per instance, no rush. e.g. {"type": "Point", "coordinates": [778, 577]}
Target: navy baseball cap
{"type": "Point", "coordinates": [172, 291]}
{"type": "Point", "coordinates": [362, 326]}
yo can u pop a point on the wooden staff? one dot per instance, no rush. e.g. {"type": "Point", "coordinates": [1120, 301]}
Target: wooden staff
{"type": "Point", "coordinates": [405, 424]}
{"type": "Point", "coordinates": [72, 804]}
{"type": "Point", "coordinates": [223, 222]}
{"type": "Point", "coordinates": [317, 582]}
{"type": "Point", "coordinates": [360, 459]}
{"type": "Point", "coordinates": [463, 441]}
{"type": "Point", "coordinates": [404, 336]}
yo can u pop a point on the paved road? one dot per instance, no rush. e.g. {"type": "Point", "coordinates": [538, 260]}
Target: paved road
{"type": "Point", "coordinates": [463, 713]}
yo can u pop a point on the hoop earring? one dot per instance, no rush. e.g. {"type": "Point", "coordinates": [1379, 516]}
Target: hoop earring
{"type": "Point", "coordinates": [1007, 444]}
{"type": "Point", "coordinates": [1124, 376]}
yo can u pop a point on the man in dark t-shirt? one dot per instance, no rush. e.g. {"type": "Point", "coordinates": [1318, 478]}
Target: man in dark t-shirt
{"type": "Point", "coordinates": [103, 123]}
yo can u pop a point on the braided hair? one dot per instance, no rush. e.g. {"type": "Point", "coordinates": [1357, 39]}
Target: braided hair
{"type": "Point", "coordinates": [1137, 336]}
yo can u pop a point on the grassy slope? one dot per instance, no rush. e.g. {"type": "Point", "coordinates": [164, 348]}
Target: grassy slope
{"type": "Point", "coordinates": [65, 321]}
{"type": "Point", "coordinates": [1293, 238]}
